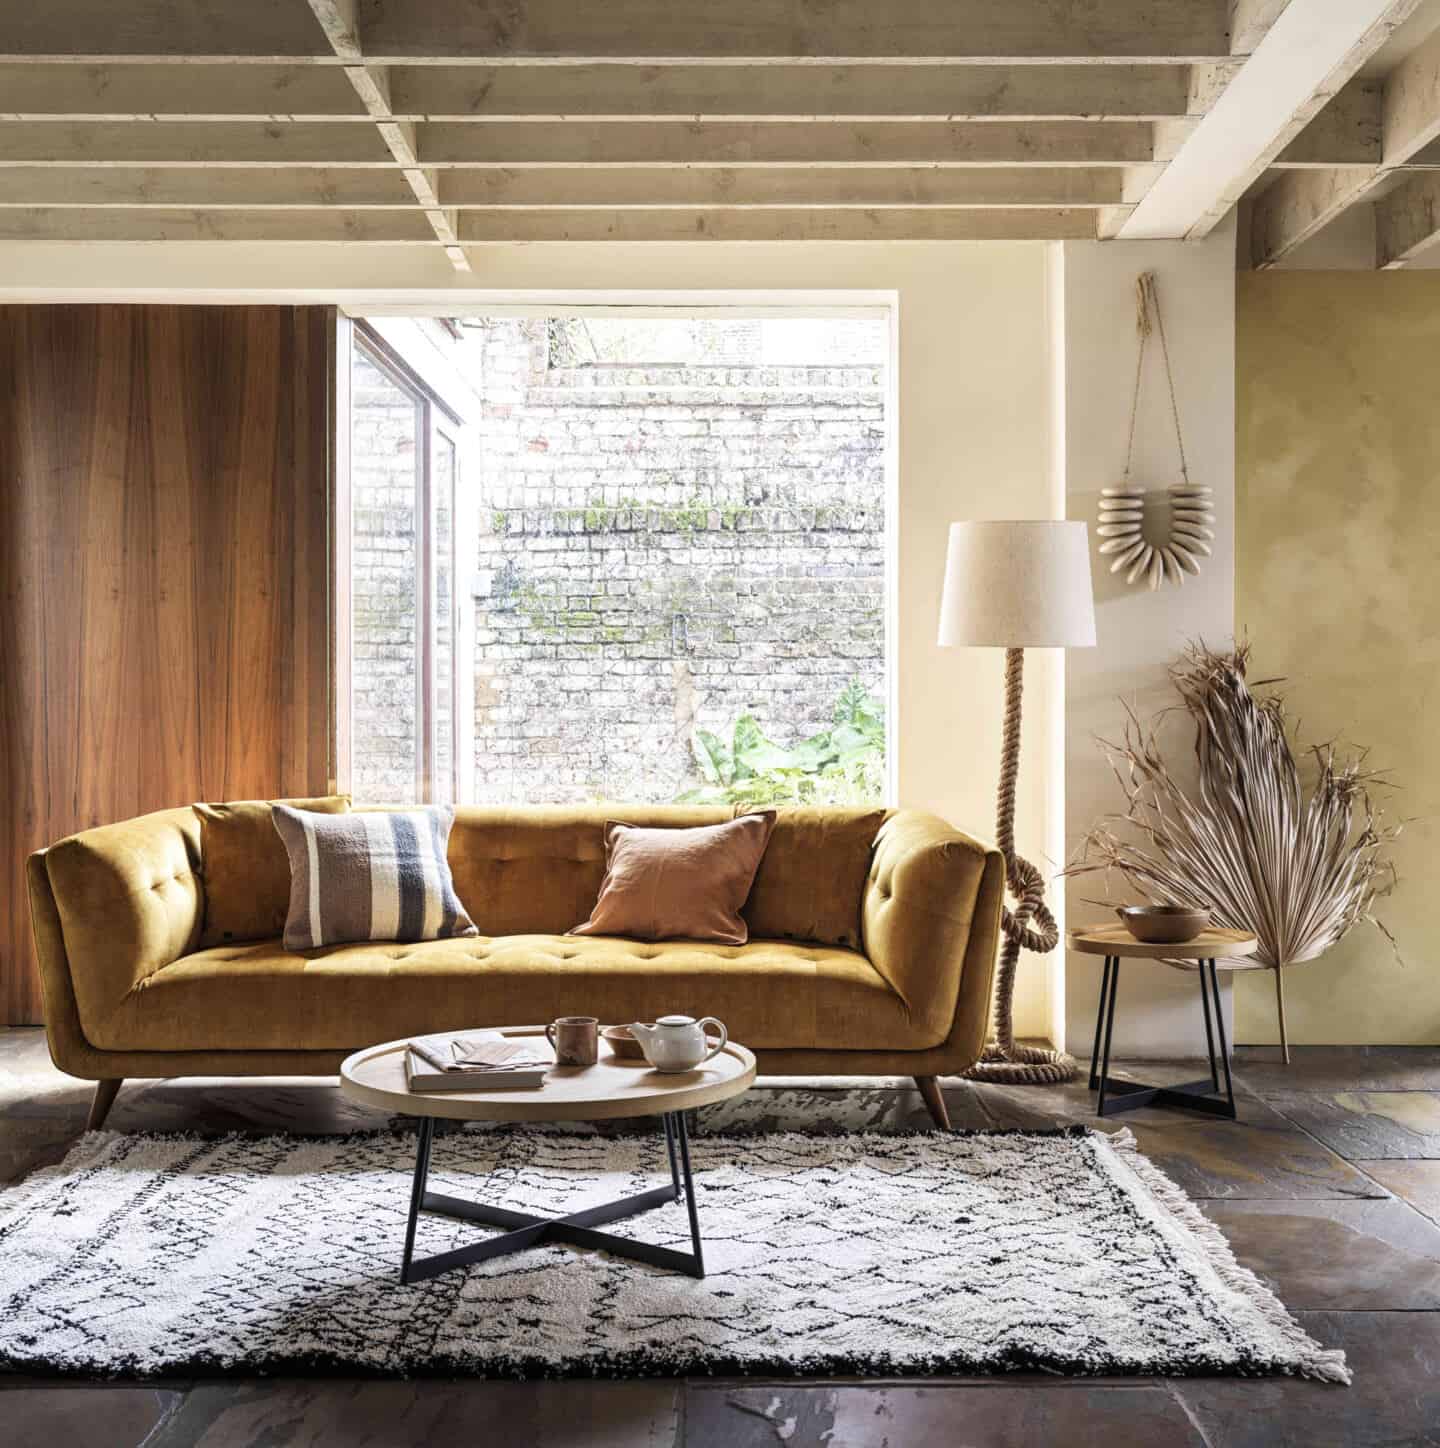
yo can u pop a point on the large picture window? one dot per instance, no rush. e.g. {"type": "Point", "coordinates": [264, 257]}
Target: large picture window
{"type": "Point", "coordinates": [404, 474]}
{"type": "Point", "coordinates": [619, 558]}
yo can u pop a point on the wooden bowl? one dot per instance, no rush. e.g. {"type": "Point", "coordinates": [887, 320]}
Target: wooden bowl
{"type": "Point", "coordinates": [623, 1046]}
{"type": "Point", "coordinates": [1163, 924]}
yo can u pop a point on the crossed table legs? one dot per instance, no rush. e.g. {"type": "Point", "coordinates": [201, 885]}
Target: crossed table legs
{"type": "Point", "coordinates": [578, 1228]}
{"type": "Point", "coordinates": [1118, 1095]}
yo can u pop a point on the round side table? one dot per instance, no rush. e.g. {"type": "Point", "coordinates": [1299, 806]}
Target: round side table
{"type": "Point", "coordinates": [1115, 942]}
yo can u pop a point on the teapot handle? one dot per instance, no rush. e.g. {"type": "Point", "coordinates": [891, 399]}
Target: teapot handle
{"type": "Point", "coordinates": [720, 1044]}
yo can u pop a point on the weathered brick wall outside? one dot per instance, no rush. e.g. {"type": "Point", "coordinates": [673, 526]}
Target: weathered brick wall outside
{"type": "Point", "coordinates": [660, 547]}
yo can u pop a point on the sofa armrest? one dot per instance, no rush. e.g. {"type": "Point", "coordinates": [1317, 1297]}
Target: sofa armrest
{"type": "Point", "coordinates": [111, 906]}
{"type": "Point", "coordinates": [931, 919]}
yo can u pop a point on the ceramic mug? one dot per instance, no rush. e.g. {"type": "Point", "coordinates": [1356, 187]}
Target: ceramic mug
{"type": "Point", "coordinates": [575, 1039]}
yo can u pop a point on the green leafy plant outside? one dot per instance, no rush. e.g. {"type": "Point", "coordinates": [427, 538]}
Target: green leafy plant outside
{"type": "Point", "coordinates": [844, 764]}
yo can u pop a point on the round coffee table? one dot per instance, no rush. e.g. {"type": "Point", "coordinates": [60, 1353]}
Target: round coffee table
{"type": "Point", "coordinates": [1115, 941]}
{"type": "Point", "coordinates": [610, 1089]}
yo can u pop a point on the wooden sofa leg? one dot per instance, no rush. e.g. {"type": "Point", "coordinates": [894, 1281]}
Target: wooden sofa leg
{"type": "Point", "coordinates": [102, 1101]}
{"type": "Point", "coordinates": [934, 1101]}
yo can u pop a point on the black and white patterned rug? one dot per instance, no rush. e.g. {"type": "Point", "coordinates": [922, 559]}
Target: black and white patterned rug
{"type": "Point", "coordinates": [828, 1254]}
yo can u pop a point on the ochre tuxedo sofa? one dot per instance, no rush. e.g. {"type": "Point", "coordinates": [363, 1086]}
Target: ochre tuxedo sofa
{"type": "Point", "coordinates": [118, 914]}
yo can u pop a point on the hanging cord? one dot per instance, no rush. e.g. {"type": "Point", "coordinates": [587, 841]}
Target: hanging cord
{"type": "Point", "coordinates": [1147, 300]}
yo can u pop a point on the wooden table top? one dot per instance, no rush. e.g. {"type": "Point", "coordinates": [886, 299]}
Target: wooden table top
{"type": "Point", "coordinates": [609, 1089]}
{"type": "Point", "coordinates": [1212, 944]}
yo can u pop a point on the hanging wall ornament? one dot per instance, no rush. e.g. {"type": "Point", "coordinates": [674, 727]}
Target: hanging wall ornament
{"type": "Point", "coordinates": [1122, 529]}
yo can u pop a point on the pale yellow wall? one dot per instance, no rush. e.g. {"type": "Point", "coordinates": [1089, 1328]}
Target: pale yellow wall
{"type": "Point", "coordinates": [1338, 585]}
{"type": "Point", "coordinates": [1138, 633]}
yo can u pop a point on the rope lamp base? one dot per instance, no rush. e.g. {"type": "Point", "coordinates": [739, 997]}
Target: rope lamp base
{"type": "Point", "coordinates": [1029, 926]}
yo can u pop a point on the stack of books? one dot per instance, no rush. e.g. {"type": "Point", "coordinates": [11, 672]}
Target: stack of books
{"type": "Point", "coordinates": [474, 1061]}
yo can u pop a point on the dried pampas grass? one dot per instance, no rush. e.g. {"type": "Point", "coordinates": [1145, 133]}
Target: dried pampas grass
{"type": "Point", "coordinates": [1296, 863]}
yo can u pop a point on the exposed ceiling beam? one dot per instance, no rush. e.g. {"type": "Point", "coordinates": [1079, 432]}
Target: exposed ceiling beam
{"type": "Point", "coordinates": [1249, 20]}
{"type": "Point", "coordinates": [633, 30]}
{"type": "Point", "coordinates": [410, 227]}
{"type": "Point", "coordinates": [796, 143]}
{"type": "Point", "coordinates": [1410, 107]}
{"type": "Point", "coordinates": [787, 187]}
{"type": "Point", "coordinates": [1296, 205]}
{"type": "Point", "coordinates": [1310, 52]}
{"type": "Point", "coordinates": [792, 92]}
{"type": "Point", "coordinates": [661, 143]}
{"type": "Point", "coordinates": [797, 225]}
{"type": "Point", "coordinates": [176, 92]}
{"type": "Point", "coordinates": [613, 92]}
{"type": "Point", "coordinates": [321, 224]}
{"type": "Point", "coordinates": [184, 143]}
{"type": "Point", "coordinates": [206, 187]}
{"type": "Point", "coordinates": [283, 188]}
{"type": "Point", "coordinates": [339, 19]}
{"type": "Point", "coordinates": [1347, 132]}
{"type": "Point", "coordinates": [1407, 220]}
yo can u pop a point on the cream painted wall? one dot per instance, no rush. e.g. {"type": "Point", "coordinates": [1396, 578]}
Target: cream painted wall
{"type": "Point", "coordinates": [975, 435]}
{"type": "Point", "coordinates": [1139, 632]}
{"type": "Point", "coordinates": [1338, 586]}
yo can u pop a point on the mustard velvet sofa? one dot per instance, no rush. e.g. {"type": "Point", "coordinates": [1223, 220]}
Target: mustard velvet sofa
{"type": "Point", "coordinates": [118, 913]}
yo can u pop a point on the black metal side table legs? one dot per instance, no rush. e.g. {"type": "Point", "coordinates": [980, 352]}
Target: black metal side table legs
{"type": "Point", "coordinates": [526, 1230]}
{"type": "Point", "coordinates": [1116, 1096]}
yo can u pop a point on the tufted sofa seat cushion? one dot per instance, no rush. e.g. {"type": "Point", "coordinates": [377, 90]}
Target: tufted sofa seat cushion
{"type": "Point", "coordinates": [772, 994]}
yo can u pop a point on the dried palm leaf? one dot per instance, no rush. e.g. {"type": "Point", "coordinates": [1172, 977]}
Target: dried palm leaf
{"type": "Point", "coordinates": [1296, 868]}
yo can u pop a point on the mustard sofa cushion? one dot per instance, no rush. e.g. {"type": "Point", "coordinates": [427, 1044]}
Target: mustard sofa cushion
{"type": "Point", "coordinates": [538, 869]}
{"type": "Point", "coordinates": [246, 869]}
{"type": "Point", "coordinates": [812, 878]}
{"type": "Point", "coordinates": [770, 994]}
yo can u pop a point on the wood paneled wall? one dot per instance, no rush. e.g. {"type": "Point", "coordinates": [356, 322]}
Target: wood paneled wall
{"type": "Point", "coordinates": [163, 561]}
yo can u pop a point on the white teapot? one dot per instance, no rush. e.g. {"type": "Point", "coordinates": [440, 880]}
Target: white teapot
{"type": "Point", "coordinates": [679, 1043]}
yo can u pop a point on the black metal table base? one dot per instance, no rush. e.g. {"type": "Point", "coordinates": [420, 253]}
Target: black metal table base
{"type": "Point", "coordinates": [525, 1230]}
{"type": "Point", "coordinates": [1202, 1096]}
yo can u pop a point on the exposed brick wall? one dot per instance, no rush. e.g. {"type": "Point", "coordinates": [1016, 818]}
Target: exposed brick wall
{"type": "Point", "coordinates": [660, 547]}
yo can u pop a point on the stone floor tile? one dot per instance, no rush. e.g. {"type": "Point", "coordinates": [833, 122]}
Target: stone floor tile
{"type": "Point", "coordinates": [27, 1144]}
{"type": "Point", "coordinates": [1394, 1400]}
{"type": "Point", "coordinates": [1417, 1182]}
{"type": "Point", "coordinates": [1368, 1125]}
{"type": "Point", "coordinates": [62, 1416]}
{"type": "Point", "coordinates": [1338, 1068]}
{"type": "Point", "coordinates": [999, 1415]}
{"type": "Point", "coordinates": [1074, 1103]}
{"type": "Point", "coordinates": [1261, 1155]}
{"type": "Point", "coordinates": [1350, 1255]}
{"type": "Point", "coordinates": [429, 1413]}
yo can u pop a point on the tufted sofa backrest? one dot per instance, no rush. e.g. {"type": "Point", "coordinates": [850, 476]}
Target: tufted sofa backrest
{"type": "Point", "coordinates": [536, 870]}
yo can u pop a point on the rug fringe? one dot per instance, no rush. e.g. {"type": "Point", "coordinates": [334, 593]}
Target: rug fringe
{"type": "Point", "coordinates": [1326, 1365]}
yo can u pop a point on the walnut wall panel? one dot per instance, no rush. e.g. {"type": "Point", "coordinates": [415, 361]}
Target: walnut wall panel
{"type": "Point", "coordinates": [163, 561]}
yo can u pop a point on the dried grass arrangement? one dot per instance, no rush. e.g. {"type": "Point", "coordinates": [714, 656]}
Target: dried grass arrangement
{"type": "Point", "coordinates": [1297, 862]}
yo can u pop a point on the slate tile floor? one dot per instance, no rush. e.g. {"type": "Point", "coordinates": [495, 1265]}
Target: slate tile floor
{"type": "Point", "coordinates": [1328, 1187]}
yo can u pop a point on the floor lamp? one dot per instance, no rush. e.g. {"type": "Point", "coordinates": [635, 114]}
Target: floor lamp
{"type": "Point", "coordinates": [1017, 586]}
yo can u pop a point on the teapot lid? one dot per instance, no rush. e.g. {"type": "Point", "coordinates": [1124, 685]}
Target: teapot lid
{"type": "Point", "coordinates": [675, 1020]}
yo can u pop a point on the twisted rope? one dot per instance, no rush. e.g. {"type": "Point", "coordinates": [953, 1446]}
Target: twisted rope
{"type": "Point", "coordinates": [1030, 926]}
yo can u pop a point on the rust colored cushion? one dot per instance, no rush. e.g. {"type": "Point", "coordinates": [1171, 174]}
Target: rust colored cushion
{"type": "Point", "coordinates": [246, 869]}
{"type": "Point", "coordinates": [679, 884]}
{"type": "Point", "coordinates": [812, 879]}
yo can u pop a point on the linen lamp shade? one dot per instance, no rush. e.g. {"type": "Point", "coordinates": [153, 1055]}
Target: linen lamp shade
{"type": "Point", "coordinates": [1018, 585]}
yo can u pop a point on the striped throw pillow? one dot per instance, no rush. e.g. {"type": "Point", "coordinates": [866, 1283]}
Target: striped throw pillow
{"type": "Point", "coordinates": [376, 875]}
